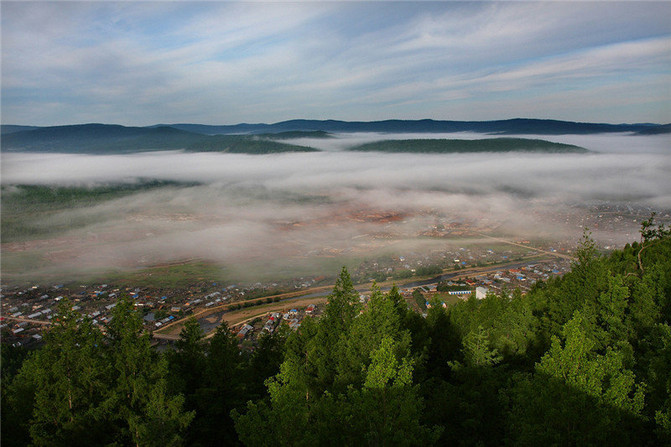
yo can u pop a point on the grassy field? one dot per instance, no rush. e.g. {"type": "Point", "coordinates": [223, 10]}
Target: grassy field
{"type": "Point", "coordinates": [178, 275]}
{"type": "Point", "coordinates": [447, 298]}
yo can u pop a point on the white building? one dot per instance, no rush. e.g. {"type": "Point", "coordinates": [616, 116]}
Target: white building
{"type": "Point", "coordinates": [481, 292]}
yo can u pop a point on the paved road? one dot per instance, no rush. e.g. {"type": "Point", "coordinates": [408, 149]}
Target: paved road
{"type": "Point", "coordinates": [218, 315]}
{"type": "Point", "coordinates": [444, 277]}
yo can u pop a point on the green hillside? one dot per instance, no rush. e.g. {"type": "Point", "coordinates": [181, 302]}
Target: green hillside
{"type": "Point", "coordinates": [244, 144]}
{"type": "Point", "coordinates": [296, 134]}
{"type": "Point", "coordinates": [444, 146]}
{"type": "Point", "coordinates": [114, 139]}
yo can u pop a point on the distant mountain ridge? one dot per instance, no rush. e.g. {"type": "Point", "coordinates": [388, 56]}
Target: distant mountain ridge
{"type": "Point", "coordinates": [271, 138]}
{"type": "Point", "coordinates": [519, 126]}
{"type": "Point", "coordinates": [112, 138]}
{"type": "Point", "coordinates": [9, 128]}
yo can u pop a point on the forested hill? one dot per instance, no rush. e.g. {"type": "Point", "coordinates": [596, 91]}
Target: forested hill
{"type": "Point", "coordinates": [8, 128]}
{"type": "Point", "coordinates": [106, 138]}
{"type": "Point", "coordinates": [112, 139]}
{"type": "Point", "coordinates": [443, 146]}
{"type": "Point", "coordinates": [109, 139]}
{"type": "Point", "coordinates": [580, 360]}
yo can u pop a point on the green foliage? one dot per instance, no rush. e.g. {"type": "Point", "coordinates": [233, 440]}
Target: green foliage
{"type": "Point", "coordinates": [366, 384]}
{"type": "Point", "coordinates": [385, 370]}
{"type": "Point", "coordinates": [83, 389]}
{"type": "Point", "coordinates": [243, 144]}
{"type": "Point", "coordinates": [578, 395]}
{"type": "Point", "coordinates": [341, 308]}
{"type": "Point", "coordinates": [650, 233]}
{"type": "Point", "coordinates": [68, 378]}
{"type": "Point", "coordinates": [654, 365]}
{"type": "Point", "coordinates": [223, 384]}
{"type": "Point", "coordinates": [442, 286]}
{"type": "Point", "coordinates": [139, 383]}
{"type": "Point", "coordinates": [293, 134]}
{"type": "Point", "coordinates": [509, 322]}
{"type": "Point", "coordinates": [477, 350]}
{"type": "Point", "coordinates": [443, 146]}
{"type": "Point", "coordinates": [418, 296]}
{"type": "Point", "coordinates": [365, 336]}
{"type": "Point", "coordinates": [402, 274]}
{"type": "Point", "coordinates": [102, 139]}
{"type": "Point", "coordinates": [429, 270]}
{"type": "Point", "coordinates": [187, 362]}
{"type": "Point", "coordinates": [579, 360]}
{"type": "Point", "coordinates": [445, 342]}
{"type": "Point", "coordinates": [266, 360]}
{"type": "Point", "coordinates": [556, 303]}
{"type": "Point", "coordinates": [387, 410]}
{"type": "Point", "coordinates": [11, 361]}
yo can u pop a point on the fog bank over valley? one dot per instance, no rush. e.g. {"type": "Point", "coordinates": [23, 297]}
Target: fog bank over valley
{"type": "Point", "coordinates": [615, 142]}
{"type": "Point", "coordinates": [265, 215]}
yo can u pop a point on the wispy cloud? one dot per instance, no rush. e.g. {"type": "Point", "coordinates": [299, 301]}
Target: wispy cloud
{"type": "Point", "coordinates": [146, 62]}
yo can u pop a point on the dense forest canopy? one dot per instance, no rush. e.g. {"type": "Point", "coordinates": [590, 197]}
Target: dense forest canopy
{"type": "Point", "coordinates": [580, 360]}
{"type": "Point", "coordinates": [114, 139]}
{"type": "Point", "coordinates": [97, 138]}
{"type": "Point", "coordinates": [445, 146]}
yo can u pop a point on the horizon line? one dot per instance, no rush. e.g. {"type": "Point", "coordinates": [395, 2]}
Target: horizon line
{"type": "Point", "coordinates": [342, 121]}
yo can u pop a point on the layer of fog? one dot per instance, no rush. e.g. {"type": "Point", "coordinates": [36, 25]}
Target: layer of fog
{"type": "Point", "coordinates": [272, 213]}
{"type": "Point", "coordinates": [610, 143]}
{"type": "Point", "coordinates": [565, 177]}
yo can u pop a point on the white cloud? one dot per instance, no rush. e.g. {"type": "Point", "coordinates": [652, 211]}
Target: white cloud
{"type": "Point", "coordinates": [144, 62]}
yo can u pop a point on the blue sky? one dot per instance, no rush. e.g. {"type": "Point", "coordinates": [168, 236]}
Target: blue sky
{"type": "Point", "coordinates": [141, 63]}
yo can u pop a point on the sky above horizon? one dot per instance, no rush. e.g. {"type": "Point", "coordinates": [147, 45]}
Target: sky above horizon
{"type": "Point", "coordinates": [143, 63]}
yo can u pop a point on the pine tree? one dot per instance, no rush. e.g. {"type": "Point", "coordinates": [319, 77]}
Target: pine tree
{"type": "Point", "coordinates": [187, 361]}
{"type": "Point", "coordinates": [138, 398]}
{"type": "Point", "coordinates": [387, 410]}
{"type": "Point", "coordinates": [341, 308]}
{"type": "Point", "coordinates": [67, 378]}
{"type": "Point", "coordinates": [578, 395]}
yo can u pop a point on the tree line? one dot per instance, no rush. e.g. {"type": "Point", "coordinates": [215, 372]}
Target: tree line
{"type": "Point", "coordinates": [584, 359]}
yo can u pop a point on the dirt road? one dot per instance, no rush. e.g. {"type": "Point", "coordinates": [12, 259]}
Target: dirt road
{"type": "Point", "coordinates": [551, 253]}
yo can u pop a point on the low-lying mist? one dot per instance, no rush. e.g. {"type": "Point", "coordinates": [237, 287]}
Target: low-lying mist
{"type": "Point", "coordinates": [273, 213]}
